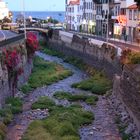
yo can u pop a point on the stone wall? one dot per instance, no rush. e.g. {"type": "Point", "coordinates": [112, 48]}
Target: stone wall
{"type": "Point", "coordinates": [93, 52]}
{"type": "Point", "coordinates": [127, 89]}
{"type": "Point", "coordinates": [5, 83]}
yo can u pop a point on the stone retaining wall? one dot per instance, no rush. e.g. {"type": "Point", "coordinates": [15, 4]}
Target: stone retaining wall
{"type": "Point", "coordinates": [95, 53]}
{"type": "Point", "coordinates": [5, 83]}
{"type": "Point", "coordinates": [127, 89]}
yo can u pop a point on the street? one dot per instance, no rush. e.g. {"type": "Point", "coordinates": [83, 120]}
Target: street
{"type": "Point", "coordinates": [117, 43]}
{"type": "Point", "coordinates": [6, 34]}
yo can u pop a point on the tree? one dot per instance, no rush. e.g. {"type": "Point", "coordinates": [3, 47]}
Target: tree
{"type": "Point", "coordinates": [6, 20]}
{"type": "Point", "coordinates": [20, 19]}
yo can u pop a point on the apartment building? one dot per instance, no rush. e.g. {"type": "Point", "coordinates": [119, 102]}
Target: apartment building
{"type": "Point", "coordinates": [133, 23]}
{"type": "Point", "coordinates": [4, 11]}
{"type": "Point", "coordinates": [72, 17]}
{"type": "Point", "coordinates": [81, 15]}
{"type": "Point", "coordinates": [108, 18]}
{"type": "Point", "coordinates": [127, 20]}
{"type": "Point", "coordinates": [89, 16]}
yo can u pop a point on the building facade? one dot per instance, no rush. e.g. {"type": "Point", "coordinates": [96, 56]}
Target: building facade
{"type": "Point", "coordinates": [81, 15]}
{"type": "Point", "coordinates": [4, 11]}
{"type": "Point", "coordinates": [133, 20]}
{"type": "Point", "coordinates": [107, 18]}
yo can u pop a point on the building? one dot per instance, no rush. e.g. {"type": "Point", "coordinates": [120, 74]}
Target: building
{"type": "Point", "coordinates": [89, 16]}
{"type": "Point", "coordinates": [127, 20]}
{"type": "Point", "coordinates": [4, 11]}
{"type": "Point", "coordinates": [108, 18]}
{"type": "Point", "coordinates": [80, 15]}
{"type": "Point", "coordinates": [133, 23]}
{"type": "Point", "coordinates": [72, 16]}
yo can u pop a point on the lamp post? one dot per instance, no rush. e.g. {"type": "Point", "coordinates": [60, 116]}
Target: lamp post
{"type": "Point", "coordinates": [23, 4]}
{"type": "Point", "coordinates": [107, 37]}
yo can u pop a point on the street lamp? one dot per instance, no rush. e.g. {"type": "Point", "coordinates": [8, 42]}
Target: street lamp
{"type": "Point", "coordinates": [23, 4]}
{"type": "Point", "coordinates": [107, 38]}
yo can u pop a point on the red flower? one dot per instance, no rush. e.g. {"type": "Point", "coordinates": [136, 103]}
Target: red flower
{"type": "Point", "coordinates": [32, 41]}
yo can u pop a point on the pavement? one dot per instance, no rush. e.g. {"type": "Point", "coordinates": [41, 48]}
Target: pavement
{"type": "Point", "coordinates": [118, 43]}
{"type": "Point", "coordinates": [6, 34]}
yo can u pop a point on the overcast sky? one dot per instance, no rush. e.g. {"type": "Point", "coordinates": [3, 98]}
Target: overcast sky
{"type": "Point", "coordinates": [36, 5]}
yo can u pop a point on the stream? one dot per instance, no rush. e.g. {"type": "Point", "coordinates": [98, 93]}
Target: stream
{"type": "Point", "coordinates": [102, 128]}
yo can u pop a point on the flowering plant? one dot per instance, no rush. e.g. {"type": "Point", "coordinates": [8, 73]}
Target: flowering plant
{"type": "Point", "coordinates": [11, 58]}
{"type": "Point", "coordinates": [31, 43]}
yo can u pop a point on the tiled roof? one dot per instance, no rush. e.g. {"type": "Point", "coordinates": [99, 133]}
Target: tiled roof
{"type": "Point", "coordinates": [74, 2]}
{"type": "Point", "coordinates": [134, 6]}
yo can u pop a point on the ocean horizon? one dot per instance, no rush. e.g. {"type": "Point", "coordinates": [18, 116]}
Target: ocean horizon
{"type": "Point", "coordinates": [58, 15]}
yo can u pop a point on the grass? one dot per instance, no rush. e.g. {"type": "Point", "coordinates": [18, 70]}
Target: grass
{"type": "Point", "coordinates": [97, 84]}
{"type": "Point", "coordinates": [62, 124]}
{"type": "Point", "coordinates": [49, 51]}
{"type": "Point", "coordinates": [2, 131]}
{"type": "Point", "coordinates": [80, 97]}
{"type": "Point", "coordinates": [76, 62]}
{"type": "Point", "coordinates": [13, 106]}
{"type": "Point", "coordinates": [43, 103]}
{"type": "Point", "coordinates": [122, 127]}
{"type": "Point", "coordinates": [44, 73]}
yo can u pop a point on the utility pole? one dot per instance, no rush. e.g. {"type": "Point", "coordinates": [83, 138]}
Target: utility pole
{"type": "Point", "coordinates": [107, 37]}
{"type": "Point", "coordinates": [23, 4]}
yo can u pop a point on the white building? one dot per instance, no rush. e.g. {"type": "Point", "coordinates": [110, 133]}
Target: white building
{"type": "Point", "coordinates": [80, 15]}
{"type": "Point", "coordinates": [72, 14]}
{"type": "Point", "coordinates": [4, 11]}
{"type": "Point", "coordinates": [89, 16]}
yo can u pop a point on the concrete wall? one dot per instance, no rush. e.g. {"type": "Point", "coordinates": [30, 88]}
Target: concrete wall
{"type": "Point", "coordinates": [93, 52]}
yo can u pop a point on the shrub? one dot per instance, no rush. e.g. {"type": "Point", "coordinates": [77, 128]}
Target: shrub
{"type": "Point", "coordinates": [15, 104]}
{"type": "Point", "coordinates": [43, 103]}
{"type": "Point", "coordinates": [6, 115]}
{"type": "Point", "coordinates": [98, 84]}
{"type": "Point", "coordinates": [79, 97]}
{"type": "Point", "coordinates": [2, 131]}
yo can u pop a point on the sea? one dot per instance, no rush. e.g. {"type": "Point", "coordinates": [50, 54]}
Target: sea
{"type": "Point", "coordinates": [58, 15]}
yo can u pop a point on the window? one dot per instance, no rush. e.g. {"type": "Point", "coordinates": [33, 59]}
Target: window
{"type": "Point", "coordinates": [135, 15]}
{"type": "Point", "coordinates": [130, 14]}
{"type": "Point", "coordinates": [123, 11]}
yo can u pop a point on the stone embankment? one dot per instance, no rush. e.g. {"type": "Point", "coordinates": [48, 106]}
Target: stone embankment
{"type": "Point", "coordinates": [13, 57]}
{"type": "Point", "coordinates": [107, 58]}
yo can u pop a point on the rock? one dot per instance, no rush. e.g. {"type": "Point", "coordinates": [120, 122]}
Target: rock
{"type": "Point", "coordinates": [91, 133]}
{"type": "Point", "coordinates": [94, 128]}
{"type": "Point", "coordinates": [130, 129]}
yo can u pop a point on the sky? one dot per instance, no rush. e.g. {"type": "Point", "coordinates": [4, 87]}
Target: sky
{"type": "Point", "coordinates": [36, 5]}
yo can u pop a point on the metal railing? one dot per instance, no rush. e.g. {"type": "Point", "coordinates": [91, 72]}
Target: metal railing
{"type": "Point", "coordinates": [11, 40]}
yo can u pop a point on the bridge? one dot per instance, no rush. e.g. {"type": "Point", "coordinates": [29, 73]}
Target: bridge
{"type": "Point", "coordinates": [43, 30]}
